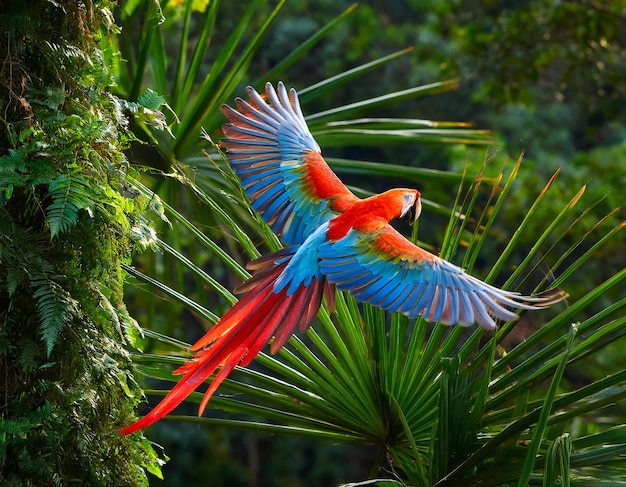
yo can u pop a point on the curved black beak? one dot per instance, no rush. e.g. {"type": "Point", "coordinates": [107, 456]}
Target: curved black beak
{"type": "Point", "coordinates": [413, 213]}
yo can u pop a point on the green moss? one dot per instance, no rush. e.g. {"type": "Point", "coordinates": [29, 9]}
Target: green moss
{"type": "Point", "coordinates": [65, 228]}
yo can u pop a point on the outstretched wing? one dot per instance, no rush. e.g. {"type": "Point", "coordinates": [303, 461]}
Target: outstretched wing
{"type": "Point", "coordinates": [271, 149]}
{"type": "Point", "coordinates": [386, 270]}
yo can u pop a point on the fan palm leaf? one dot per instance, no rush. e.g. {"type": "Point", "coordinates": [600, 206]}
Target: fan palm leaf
{"type": "Point", "coordinates": [446, 405]}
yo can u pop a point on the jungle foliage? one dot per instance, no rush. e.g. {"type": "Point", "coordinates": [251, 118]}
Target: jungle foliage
{"type": "Point", "coordinates": [444, 406]}
{"type": "Point", "coordinates": [67, 221]}
{"type": "Point", "coordinates": [111, 197]}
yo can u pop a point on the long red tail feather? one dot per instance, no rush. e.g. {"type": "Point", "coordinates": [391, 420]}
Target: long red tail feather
{"type": "Point", "coordinates": [242, 333]}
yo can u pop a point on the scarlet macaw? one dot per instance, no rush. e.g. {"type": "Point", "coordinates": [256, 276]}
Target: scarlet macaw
{"type": "Point", "coordinates": [333, 239]}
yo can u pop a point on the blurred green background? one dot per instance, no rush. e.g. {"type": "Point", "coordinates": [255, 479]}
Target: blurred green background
{"type": "Point", "coordinates": [547, 78]}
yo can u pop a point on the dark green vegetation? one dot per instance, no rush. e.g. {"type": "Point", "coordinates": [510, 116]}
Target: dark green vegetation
{"type": "Point", "coordinates": [67, 222]}
{"type": "Point", "coordinates": [541, 401]}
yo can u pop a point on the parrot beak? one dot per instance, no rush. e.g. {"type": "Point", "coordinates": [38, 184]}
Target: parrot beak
{"type": "Point", "coordinates": [413, 212]}
{"type": "Point", "coordinates": [417, 209]}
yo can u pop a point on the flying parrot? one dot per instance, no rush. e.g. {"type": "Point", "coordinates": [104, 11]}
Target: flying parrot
{"type": "Point", "coordinates": [333, 239]}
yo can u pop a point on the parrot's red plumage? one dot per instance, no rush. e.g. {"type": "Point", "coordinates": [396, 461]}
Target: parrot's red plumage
{"type": "Point", "coordinates": [243, 331]}
{"type": "Point", "coordinates": [333, 239]}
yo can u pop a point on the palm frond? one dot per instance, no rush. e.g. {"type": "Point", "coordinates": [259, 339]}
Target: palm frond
{"type": "Point", "coordinates": [447, 405]}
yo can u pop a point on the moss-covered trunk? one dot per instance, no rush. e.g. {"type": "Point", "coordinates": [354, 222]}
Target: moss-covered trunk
{"type": "Point", "coordinates": [66, 223]}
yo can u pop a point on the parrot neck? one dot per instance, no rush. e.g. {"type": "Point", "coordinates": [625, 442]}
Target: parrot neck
{"type": "Point", "coordinates": [368, 215]}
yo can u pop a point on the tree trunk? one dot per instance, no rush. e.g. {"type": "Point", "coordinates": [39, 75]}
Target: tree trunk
{"type": "Point", "coordinates": [66, 224]}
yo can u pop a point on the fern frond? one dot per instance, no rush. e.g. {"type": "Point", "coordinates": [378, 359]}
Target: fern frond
{"type": "Point", "coordinates": [29, 354]}
{"type": "Point", "coordinates": [12, 167]}
{"type": "Point", "coordinates": [151, 100]}
{"type": "Point", "coordinates": [51, 96]}
{"type": "Point", "coordinates": [149, 109]}
{"type": "Point", "coordinates": [70, 193]}
{"type": "Point", "coordinates": [15, 275]}
{"type": "Point", "coordinates": [20, 256]}
{"type": "Point", "coordinates": [55, 309]}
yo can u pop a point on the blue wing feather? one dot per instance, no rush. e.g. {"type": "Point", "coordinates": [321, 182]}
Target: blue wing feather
{"type": "Point", "coordinates": [407, 289]}
{"type": "Point", "coordinates": [273, 152]}
{"type": "Point", "coordinates": [267, 143]}
{"type": "Point", "coordinates": [411, 281]}
{"type": "Point", "coordinates": [416, 293]}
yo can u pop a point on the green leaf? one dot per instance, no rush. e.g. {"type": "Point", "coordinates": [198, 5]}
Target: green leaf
{"type": "Point", "coordinates": [546, 411]}
{"type": "Point", "coordinates": [55, 310]}
{"type": "Point", "coordinates": [69, 193]}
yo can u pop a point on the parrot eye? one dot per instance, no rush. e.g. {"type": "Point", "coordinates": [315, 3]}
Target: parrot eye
{"type": "Point", "coordinates": [408, 201]}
